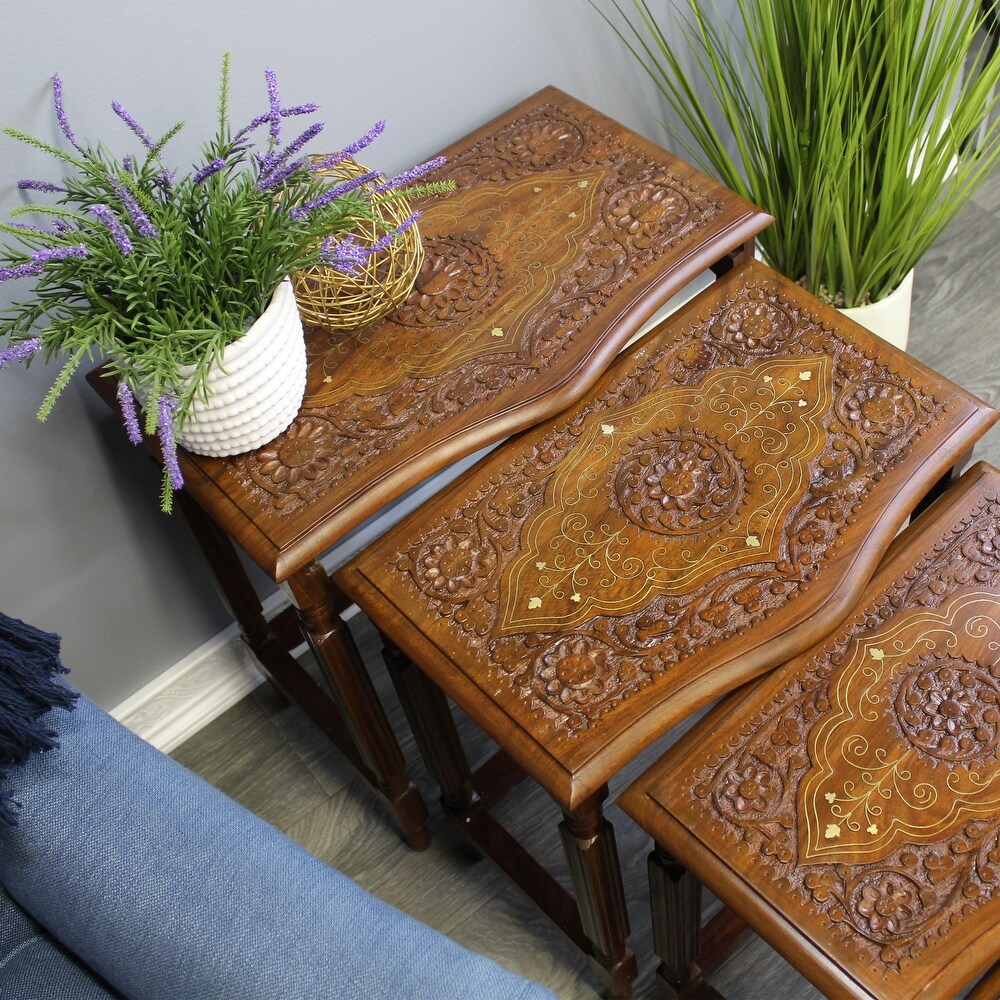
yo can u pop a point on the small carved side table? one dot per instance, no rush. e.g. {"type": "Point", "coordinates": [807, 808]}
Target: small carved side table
{"type": "Point", "coordinates": [848, 806]}
{"type": "Point", "coordinates": [566, 232]}
{"type": "Point", "coordinates": [715, 504]}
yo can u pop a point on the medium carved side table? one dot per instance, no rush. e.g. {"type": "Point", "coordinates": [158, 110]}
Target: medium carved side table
{"type": "Point", "coordinates": [566, 232]}
{"type": "Point", "coordinates": [714, 505]}
{"type": "Point", "coordinates": [848, 806]}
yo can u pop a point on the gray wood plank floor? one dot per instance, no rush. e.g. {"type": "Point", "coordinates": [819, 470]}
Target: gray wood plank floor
{"type": "Point", "coordinates": [269, 757]}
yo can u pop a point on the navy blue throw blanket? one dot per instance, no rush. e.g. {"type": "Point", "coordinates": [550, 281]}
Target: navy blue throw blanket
{"type": "Point", "coordinates": [29, 664]}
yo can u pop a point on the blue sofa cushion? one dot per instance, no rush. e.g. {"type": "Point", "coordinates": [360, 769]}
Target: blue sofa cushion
{"type": "Point", "coordinates": [33, 965]}
{"type": "Point", "coordinates": [171, 891]}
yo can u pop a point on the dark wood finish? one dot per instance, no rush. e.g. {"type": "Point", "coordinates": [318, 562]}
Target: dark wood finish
{"type": "Point", "coordinates": [676, 899]}
{"type": "Point", "coordinates": [269, 641]}
{"type": "Point", "coordinates": [331, 643]}
{"type": "Point", "coordinates": [586, 587]}
{"type": "Point", "coordinates": [588, 841]}
{"type": "Point", "coordinates": [599, 924]}
{"type": "Point", "coordinates": [847, 806]}
{"type": "Point", "coordinates": [590, 584]}
{"type": "Point", "coordinates": [566, 233]}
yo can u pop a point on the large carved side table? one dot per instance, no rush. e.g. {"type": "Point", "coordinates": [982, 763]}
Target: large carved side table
{"type": "Point", "coordinates": [715, 504]}
{"type": "Point", "coordinates": [566, 232]}
{"type": "Point", "coordinates": [848, 806]}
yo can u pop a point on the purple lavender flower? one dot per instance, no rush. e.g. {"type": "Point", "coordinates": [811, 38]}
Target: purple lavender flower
{"type": "Point", "coordinates": [276, 161]}
{"type": "Point", "coordinates": [210, 168]}
{"type": "Point", "coordinates": [298, 109]}
{"type": "Point", "coordinates": [58, 253]}
{"type": "Point", "coordinates": [277, 177]}
{"type": "Point", "coordinates": [126, 402]}
{"type": "Point", "coordinates": [27, 270]}
{"type": "Point", "coordinates": [118, 234]}
{"type": "Point", "coordinates": [409, 176]}
{"type": "Point", "coordinates": [46, 186]}
{"type": "Point", "coordinates": [18, 352]}
{"type": "Point", "coordinates": [275, 102]}
{"type": "Point", "coordinates": [27, 228]}
{"type": "Point", "coordinates": [352, 150]}
{"type": "Point", "coordinates": [165, 432]}
{"type": "Point", "coordinates": [139, 218]}
{"type": "Point", "coordinates": [39, 259]}
{"type": "Point", "coordinates": [337, 191]}
{"type": "Point", "coordinates": [346, 256]}
{"type": "Point", "coordinates": [60, 112]}
{"type": "Point", "coordinates": [306, 137]}
{"type": "Point", "coordinates": [117, 108]}
{"type": "Point", "coordinates": [128, 163]}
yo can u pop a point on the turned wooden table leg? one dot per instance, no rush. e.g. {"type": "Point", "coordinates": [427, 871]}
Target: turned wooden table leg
{"type": "Point", "coordinates": [434, 730]}
{"type": "Point", "coordinates": [676, 899]}
{"type": "Point", "coordinates": [313, 595]}
{"type": "Point", "coordinates": [231, 579]}
{"type": "Point", "coordinates": [589, 844]}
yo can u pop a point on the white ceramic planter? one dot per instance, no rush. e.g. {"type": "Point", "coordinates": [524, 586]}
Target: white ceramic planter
{"type": "Point", "coordinates": [889, 317]}
{"type": "Point", "coordinates": [256, 390]}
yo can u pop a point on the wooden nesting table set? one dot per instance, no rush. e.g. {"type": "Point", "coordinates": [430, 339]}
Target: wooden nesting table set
{"type": "Point", "coordinates": [702, 509]}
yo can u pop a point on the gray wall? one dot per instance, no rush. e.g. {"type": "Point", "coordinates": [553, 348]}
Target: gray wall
{"type": "Point", "coordinates": [84, 550]}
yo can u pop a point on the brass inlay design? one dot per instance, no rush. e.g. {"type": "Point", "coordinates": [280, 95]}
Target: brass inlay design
{"type": "Point", "coordinates": [916, 773]}
{"type": "Point", "coordinates": [490, 262]}
{"type": "Point", "coordinates": [714, 504]}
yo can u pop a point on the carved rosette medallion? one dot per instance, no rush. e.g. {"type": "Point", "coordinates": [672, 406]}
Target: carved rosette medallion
{"type": "Point", "coordinates": [896, 717]}
{"type": "Point", "coordinates": [576, 559]}
{"type": "Point", "coordinates": [454, 567]}
{"type": "Point", "coordinates": [291, 464]}
{"type": "Point", "coordinates": [543, 143]}
{"type": "Point", "coordinates": [459, 278]}
{"type": "Point", "coordinates": [679, 483]}
{"type": "Point", "coordinates": [869, 787]}
{"type": "Point", "coordinates": [950, 709]}
{"type": "Point", "coordinates": [694, 497]}
{"type": "Point", "coordinates": [642, 213]}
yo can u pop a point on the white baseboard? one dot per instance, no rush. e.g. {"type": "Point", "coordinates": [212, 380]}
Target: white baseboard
{"type": "Point", "coordinates": [191, 693]}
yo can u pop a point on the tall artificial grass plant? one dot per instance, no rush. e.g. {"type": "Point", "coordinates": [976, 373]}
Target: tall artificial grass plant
{"type": "Point", "coordinates": [855, 123]}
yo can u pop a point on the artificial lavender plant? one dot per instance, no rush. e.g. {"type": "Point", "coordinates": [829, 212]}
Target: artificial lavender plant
{"type": "Point", "coordinates": [154, 270]}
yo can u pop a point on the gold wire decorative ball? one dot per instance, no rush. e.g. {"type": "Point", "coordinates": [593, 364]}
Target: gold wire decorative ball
{"type": "Point", "coordinates": [329, 297]}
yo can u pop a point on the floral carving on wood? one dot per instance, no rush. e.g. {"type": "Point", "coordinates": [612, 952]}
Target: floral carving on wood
{"type": "Point", "coordinates": [552, 217]}
{"type": "Point", "coordinates": [869, 787]}
{"type": "Point", "coordinates": [696, 495]}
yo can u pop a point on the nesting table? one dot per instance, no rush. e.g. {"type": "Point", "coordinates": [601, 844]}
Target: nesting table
{"type": "Point", "coordinates": [715, 504]}
{"type": "Point", "coordinates": [566, 232]}
{"type": "Point", "coordinates": [848, 806]}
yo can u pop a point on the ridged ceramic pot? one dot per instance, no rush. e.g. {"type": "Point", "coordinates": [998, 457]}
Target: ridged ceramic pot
{"type": "Point", "coordinates": [257, 388]}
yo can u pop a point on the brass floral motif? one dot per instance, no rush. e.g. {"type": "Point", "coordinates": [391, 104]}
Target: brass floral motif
{"type": "Point", "coordinates": [773, 431]}
{"type": "Point", "coordinates": [719, 559]}
{"type": "Point", "coordinates": [865, 775]}
{"type": "Point", "coordinates": [880, 757]}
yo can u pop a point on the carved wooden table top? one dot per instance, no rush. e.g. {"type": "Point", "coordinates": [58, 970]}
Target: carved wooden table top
{"type": "Point", "coordinates": [714, 506]}
{"type": "Point", "coordinates": [848, 806]}
{"type": "Point", "coordinates": [566, 232]}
